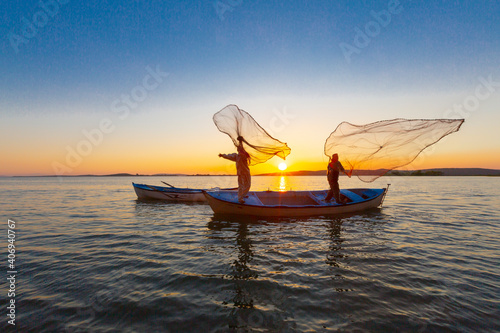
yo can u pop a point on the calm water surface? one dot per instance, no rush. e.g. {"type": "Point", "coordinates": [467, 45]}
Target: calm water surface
{"type": "Point", "coordinates": [91, 258]}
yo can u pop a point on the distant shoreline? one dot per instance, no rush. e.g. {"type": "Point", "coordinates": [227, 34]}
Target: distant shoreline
{"type": "Point", "coordinates": [422, 172]}
{"type": "Point", "coordinates": [394, 173]}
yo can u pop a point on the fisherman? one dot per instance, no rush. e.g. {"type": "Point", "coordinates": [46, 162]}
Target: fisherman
{"type": "Point", "coordinates": [242, 159]}
{"type": "Point", "coordinates": [333, 170]}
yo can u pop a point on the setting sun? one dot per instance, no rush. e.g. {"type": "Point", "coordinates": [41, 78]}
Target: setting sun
{"type": "Point", "coordinates": [282, 166]}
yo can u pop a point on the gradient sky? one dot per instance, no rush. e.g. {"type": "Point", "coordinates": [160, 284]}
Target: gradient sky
{"type": "Point", "coordinates": [131, 86]}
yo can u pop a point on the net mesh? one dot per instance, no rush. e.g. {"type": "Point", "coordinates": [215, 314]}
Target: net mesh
{"type": "Point", "coordinates": [369, 151]}
{"type": "Point", "coordinates": [257, 142]}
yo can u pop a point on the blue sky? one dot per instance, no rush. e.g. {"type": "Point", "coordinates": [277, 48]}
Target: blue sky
{"type": "Point", "coordinates": [265, 56]}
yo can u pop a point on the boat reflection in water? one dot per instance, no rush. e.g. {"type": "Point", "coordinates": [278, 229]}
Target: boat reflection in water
{"type": "Point", "coordinates": [269, 266]}
{"type": "Point", "coordinates": [256, 292]}
{"type": "Point", "coordinates": [335, 254]}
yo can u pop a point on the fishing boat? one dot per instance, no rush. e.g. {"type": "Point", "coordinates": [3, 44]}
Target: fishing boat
{"type": "Point", "coordinates": [170, 193]}
{"type": "Point", "coordinates": [294, 203]}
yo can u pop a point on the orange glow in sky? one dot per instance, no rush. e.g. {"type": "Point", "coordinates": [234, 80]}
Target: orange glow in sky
{"type": "Point", "coordinates": [149, 162]}
{"type": "Point", "coordinates": [151, 143]}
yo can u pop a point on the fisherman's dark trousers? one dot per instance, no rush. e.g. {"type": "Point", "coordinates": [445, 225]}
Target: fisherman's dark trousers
{"type": "Point", "coordinates": [334, 190]}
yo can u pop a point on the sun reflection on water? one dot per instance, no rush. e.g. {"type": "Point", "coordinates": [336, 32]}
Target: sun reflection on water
{"type": "Point", "coordinates": [282, 186]}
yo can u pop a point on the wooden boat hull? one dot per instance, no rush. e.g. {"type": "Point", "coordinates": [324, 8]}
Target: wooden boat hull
{"type": "Point", "coordinates": [172, 194]}
{"type": "Point", "coordinates": [294, 203]}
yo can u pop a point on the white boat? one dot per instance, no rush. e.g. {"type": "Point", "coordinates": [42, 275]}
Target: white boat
{"type": "Point", "coordinates": [294, 203]}
{"type": "Point", "coordinates": [170, 193]}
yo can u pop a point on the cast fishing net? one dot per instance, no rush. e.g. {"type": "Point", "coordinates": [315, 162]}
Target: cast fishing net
{"type": "Point", "coordinates": [369, 151]}
{"type": "Point", "coordinates": [257, 142]}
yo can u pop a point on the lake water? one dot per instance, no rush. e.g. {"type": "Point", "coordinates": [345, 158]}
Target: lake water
{"type": "Point", "coordinates": [91, 258]}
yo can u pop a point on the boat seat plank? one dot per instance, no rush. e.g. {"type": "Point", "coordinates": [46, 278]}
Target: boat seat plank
{"type": "Point", "coordinates": [253, 200]}
{"type": "Point", "coordinates": [352, 196]}
{"type": "Point", "coordinates": [317, 199]}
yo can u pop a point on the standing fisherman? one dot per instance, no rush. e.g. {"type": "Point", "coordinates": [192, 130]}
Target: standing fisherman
{"type": "Point", "coordinates": [242, 159]}
{"type": "Point", "coordinates": [334, 168]}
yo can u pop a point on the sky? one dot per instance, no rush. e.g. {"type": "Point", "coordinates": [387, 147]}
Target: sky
{"type": "Point", "coordinates": [100, 87]}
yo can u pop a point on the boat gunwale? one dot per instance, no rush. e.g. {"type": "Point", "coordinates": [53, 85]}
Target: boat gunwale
{"type": "Point", "coordinates": [206, 193]}
{"type": "Point", "coordinates": [155, 188]}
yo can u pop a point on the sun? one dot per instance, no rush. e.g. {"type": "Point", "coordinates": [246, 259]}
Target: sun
{"type": "Point", "coordinates": [282, 166]}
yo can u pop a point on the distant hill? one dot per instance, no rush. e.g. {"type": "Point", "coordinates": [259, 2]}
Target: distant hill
{"type": "Point", "coordinates": [447, 172]}
{"type": "Point", "coordinates": [424, 172]}
{"type": "Point", "coordinates": [88, 175]}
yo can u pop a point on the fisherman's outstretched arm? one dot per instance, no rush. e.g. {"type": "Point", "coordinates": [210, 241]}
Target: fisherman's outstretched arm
{"type": "Point", "coordinates": [231, 157]}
